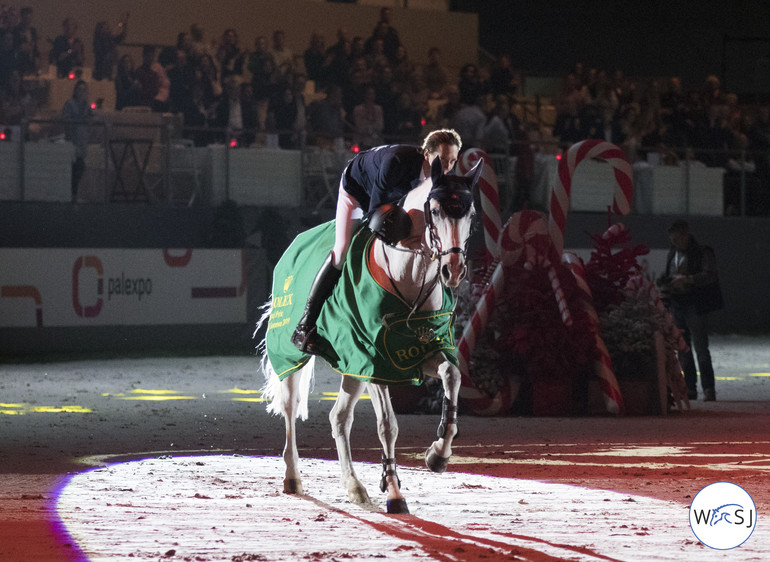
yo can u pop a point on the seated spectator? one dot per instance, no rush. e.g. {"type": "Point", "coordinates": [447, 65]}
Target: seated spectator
{"type": "Point", "coordinates": [16, 103]}
{"type": "Point", "coordinates": [314, 57]}
{"type": "Point", "coordinates": [196, 116]}
{"type": "Point", "coordinates": [387, 93]}
{"type": "Point", "coordinates": [337, 63]}
{"type": "Point", "coordinates": [502, 79]}
{"type": "Point", "coordinates": [181, 78]}
{"type": "Point", "coordinates": [205, 72]}
{"type": "Point", "coordinates": [390, 37]}
{"type": "Point", "coordinates": [714, 137]}
{"type": "Point", "coordinates": [435, 75]}
{"type": "Point", "coordinates": [238, 118]}
{"type": "Point", "coordinates": [25, 61]}
{"type": "Point", "coordinates": [368, 121]}
{"type": "Point", "coordinates": [299, 83]}
{"type": "Point", "coordinates": [446, 111]}
{"type": "Point", "coordinates": [469, 122]}
{"type": "Point", "coordinates": [326, 119]}
{"type": "Point", "coordinates": [282, 55]}
{"type": "Point", "coordinates": [25, 40]}
{"type": "Point", "coordinates": [568, 127]}
{"type": "Point", "coordinates": [265, 80]}
{"type": "Point", "coordinates": [403, 70]}
{"type": "Point", "coordinates": [404, 125]}
{"type": "Point", "coordinates": [375, 53]}
{"type": "Point", "coordinates": [359, 78]}
{"type": "Point", "coordinates": [126, 86]}
{"type": "Point", "coordinates": [470, 85]}
{"type": "Point", "coordinates": [106, 47]}
{"type": "Point", "coordinates": [153, 85]}
{"type": "Point", "coordinates": [258, 55]}
{"type": "Point", "coordinates": [358, 49]}
{"type": "Point", "coordinates": [67, 52]}
{"type": "Point", "coordinates": [497, 136]}
{"type": "Point", "coordinates": [7, 57]}
{"type": "Point", "coordinates": [230, 57]}
{"type": "Point", "coordinates": [284, 114]}
{"type": "Point", "coordinates": [197, 42]}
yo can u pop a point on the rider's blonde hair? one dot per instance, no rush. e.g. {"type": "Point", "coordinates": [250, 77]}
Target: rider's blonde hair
{"type": "Point", "coordinates": [439, 137]}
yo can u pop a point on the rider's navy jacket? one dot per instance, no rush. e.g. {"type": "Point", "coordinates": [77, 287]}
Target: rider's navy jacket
{"type": "Point", "coordinates": [383, 174]}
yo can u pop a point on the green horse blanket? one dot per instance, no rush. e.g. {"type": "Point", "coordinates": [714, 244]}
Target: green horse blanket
{"type": "Point", "coordinates": [365, 327]}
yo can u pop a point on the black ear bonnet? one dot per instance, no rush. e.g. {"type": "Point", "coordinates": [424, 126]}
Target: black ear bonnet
{"type": "Point", "coordinates": [456, 200]}
{"type": "Point", "coordinates": [454, 193]}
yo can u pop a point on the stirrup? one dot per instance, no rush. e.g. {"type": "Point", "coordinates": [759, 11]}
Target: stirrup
{"type": "Point", "coordinates": [305, 338]}
{"type": "Point", "coordinates": [388, 472]}
{"type": "Point", "coordinates": [448, 415]}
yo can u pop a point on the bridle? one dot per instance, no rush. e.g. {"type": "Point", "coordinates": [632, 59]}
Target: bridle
{"type": "Point", "coordinates": [433, 253]}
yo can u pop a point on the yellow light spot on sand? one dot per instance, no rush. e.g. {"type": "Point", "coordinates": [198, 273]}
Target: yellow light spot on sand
{"type": "Point", "coordinates": [759, 374]}
{"type": "Point", "coordinates": [240, 391]}
{"type": "Point", "coordinates": [728, 378]}
{"type": "Point", "coordinates": [62, 409]}
{"type": "Point", "coordinates": [250, 400]}
{"type": "Point", "coordinates": [144, 391]}
{"type": "Point", "coordinates": [151, 398]}
{"type": "Point", "coordinates": [22, 409]}
{"type": "Point", "coordinates": [333, 396]}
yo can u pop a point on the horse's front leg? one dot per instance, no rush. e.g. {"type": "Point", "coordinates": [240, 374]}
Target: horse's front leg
{"type": "Point", "coordinates": [341, 418]}
{"type": "Point", "coordinates": [387, 431]}
{"type": "Point", "coordinates": [438, 454]}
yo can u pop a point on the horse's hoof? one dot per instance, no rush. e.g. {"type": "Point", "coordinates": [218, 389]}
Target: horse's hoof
{"type": "Point", "coordinates": [358, 495]}
{"type": "Point", "coordinates": [397, 505]}
{"type": "Point", "coordinates": [292, 486]}
{"type": "Point", "coordinates": [434, 461]}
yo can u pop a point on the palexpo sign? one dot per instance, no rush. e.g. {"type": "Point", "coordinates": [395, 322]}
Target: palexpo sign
{"type": "Point", "coordinates": [107, 287]}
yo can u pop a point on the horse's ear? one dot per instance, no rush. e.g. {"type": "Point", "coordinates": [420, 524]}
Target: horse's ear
{"type": "Point", "coordinates": [436, 170]}
{"type": "Point", "coordinates": [475, 172]}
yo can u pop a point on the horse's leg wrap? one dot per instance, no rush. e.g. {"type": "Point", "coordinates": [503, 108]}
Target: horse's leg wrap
{"type": "Point", "coordinates": [386, 462]}
{"type": "Point", "coordinates": [305, 336]}
{"type": "Point", "coordinates": [448, 415]}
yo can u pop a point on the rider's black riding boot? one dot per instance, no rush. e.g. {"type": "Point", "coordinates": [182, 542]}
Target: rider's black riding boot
{"type": "Point", "coordinates": [305, 336]}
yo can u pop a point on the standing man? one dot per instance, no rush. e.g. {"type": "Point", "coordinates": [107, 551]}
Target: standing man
{"type": "Point", "coordinates": [691, 287]}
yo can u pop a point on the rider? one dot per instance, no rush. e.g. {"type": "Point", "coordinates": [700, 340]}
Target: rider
{"type": "Point", "coordinates": [373, 178]}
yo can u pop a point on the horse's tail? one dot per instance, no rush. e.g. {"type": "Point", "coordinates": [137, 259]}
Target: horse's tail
{"type": "Point", "coordinates": [274, 392]}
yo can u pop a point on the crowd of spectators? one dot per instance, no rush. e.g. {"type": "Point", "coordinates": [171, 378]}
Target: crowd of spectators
{"type": "Point", "coordinates": [704, 124]}
{"type": "Point", "coordinates": [369, 91]}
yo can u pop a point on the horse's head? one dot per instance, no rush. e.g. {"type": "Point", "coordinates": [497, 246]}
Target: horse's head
{"type": "Point", "coordinates": [449, 216]}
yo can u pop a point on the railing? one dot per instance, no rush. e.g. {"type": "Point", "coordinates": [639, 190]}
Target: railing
{"type": "Point", "coordinates": [151, 158]}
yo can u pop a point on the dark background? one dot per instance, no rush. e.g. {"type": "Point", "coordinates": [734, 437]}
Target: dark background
{"type": "Point", "coordinates": [644, 38]}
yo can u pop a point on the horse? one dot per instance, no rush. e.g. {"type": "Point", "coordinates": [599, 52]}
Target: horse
{"type": "Point", "coordinates": [388, 321]}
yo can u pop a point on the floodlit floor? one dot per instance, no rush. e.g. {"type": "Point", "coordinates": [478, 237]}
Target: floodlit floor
{"type": "Point", "coordinates": [175, 458]}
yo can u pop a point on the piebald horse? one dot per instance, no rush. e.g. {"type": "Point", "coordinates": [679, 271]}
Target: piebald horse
{"type": "Point", "coordinates": [389, 321]}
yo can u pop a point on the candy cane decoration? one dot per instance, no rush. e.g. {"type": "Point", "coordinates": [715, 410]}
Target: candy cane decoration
{"type": "Point", "coordinates": [489, 196]}
{"type": "Point", "coordinates": [479, 402]}
{"type": "Point", "coordinates": [526, 243]}
{"type": "Point", "coordinates": [613, 399]}
{"type": "Point", "coordinates": [560, 194]}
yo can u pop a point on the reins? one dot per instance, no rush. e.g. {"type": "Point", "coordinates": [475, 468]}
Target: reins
{"type": "Point", "coordinates": [434, 253]}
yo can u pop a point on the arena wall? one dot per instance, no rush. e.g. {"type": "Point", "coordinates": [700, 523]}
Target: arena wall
{"type": "Point", "coordinates": [741, 246]}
